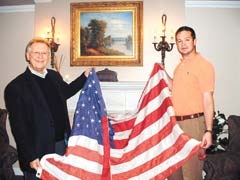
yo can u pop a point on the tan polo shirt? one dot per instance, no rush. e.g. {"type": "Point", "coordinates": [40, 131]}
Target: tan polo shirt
{"type": "Point", "coordinates": [191, 79]}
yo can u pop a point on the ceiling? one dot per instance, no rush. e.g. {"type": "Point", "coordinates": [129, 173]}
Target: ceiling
{"type": "Point", "coordinates": [29, 2]}
{"type": "Point", "coordinates": [16, 2]}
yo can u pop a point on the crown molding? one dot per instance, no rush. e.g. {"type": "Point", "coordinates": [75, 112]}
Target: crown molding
{"type": "Point", "coordinates": [22, 8]}
{"type": "Point", "coordinates": [19, 8]}
{"type": "Point", "coordinates": [213, 4]}
{"type": "Point", "coordinates": [42, 1]}
{"type": "Point", "coordinates": [189, 4]}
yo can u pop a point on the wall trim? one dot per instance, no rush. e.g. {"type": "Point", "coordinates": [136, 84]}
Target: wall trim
{"type": "Point", "coordinates": [42, 1]}
{"type": "Point", "coordinates": [213, 4]}
{"type": "Point", "coordinates": [20, 8]}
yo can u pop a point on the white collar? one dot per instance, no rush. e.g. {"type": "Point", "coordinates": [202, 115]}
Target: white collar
{"type": "Point", "coordinates": [37, 73]}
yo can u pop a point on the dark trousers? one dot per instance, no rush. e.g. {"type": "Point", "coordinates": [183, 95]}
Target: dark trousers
{"type": "Point", "coordinates": [60, 149]}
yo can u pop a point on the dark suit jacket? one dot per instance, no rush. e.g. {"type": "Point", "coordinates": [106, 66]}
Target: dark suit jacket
{"type": "Point", "coordinates": [30, 119]}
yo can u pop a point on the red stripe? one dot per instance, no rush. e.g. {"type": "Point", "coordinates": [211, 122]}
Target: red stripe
{"type": "Point", "coordinates": [123, 126]}
{"type": "Point", "coordinates": [156, 69]}
{"type": "Point", "coordinates": [154, 92]}
{"type": "Point", "coordinates": [46, 175]}
{"type": "Point", "coordinates": [182, 140]}
{"type": "Point", "coordinates": [147, 144]}
{"type": "Point", "coordinates": [106, 173]}
{"type": "Point", "coordinates": [74, 171]}
{"type": "Point", "coordinates": [173, 168]}
{"type": "Point", "coordinates": [84, 153]}
{"type": "Point", "coordinates": [150, 119]}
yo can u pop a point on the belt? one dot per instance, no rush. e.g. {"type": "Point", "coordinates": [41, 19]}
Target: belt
{"type": "Point", "coordinates": [191, 116]}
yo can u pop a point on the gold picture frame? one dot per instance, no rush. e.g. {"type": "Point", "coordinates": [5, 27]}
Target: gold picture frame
{"type": "Point", "coordinates": [106, 33]}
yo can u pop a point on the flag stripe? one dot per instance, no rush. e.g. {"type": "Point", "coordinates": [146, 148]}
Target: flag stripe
{"type": "Point", "coordinates": [69, 169]}
{"type": "Point", "coordinates": [148, 143]}
{"type": "Point", "coordinates": [142, 121]}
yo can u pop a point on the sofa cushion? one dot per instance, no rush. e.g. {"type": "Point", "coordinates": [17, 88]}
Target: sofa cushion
{"type": "Point", "coordinates": [234, 133]}
{"type": "Point", "coordinates": [8, 154]}
{"type": "Point", "coordinates": [225, 165]}
{"type": "Point", "coordinates": [3, 132]}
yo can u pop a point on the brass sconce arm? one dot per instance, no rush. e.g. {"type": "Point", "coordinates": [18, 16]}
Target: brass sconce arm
{"type": "Point", "coordinates": [163, 45]}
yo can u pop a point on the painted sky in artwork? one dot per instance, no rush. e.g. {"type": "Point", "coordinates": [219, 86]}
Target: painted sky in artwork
{"type": "Point", "coordinates": [119, 24]}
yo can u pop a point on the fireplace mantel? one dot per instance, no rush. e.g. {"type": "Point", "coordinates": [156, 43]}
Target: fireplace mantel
{"type": "Point", "coordinates": [119, 97]}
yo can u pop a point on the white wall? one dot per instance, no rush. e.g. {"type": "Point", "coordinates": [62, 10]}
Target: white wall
{"type": "Point", "coordinates": [153, 10]}
{"type": "Point", "coordinates": [218, 37]}
{"type": "Point", "coordinates": [16, 29]}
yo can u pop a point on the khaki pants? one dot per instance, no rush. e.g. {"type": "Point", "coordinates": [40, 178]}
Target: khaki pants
{"type": "Point", "coordinates": [192, 170]}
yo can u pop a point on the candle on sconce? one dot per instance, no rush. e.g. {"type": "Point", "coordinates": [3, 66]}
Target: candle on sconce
{"type": "Point", "coordinates": [164, 30]}
{"type": "Point", "coordinates": [172, 36]}
{"type": "Point", "coordinates": [154, 39]}
{"type": "Point", "coordinates": [58, 38]}
{"type": "Point", "coordinates": [47, 34]}
{"type": "Point", "coordinates": [163, 45]}
{"type": "Point", "coordinates": [164, 20]}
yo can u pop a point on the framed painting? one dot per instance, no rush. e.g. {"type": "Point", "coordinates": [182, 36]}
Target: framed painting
{"type": "Point", "coordinates": [106, 33]}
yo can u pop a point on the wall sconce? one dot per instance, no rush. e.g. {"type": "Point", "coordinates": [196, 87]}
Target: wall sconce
{"type": "Point", "coordinates": [163, 45]}
{"type": "Point", "coordinates": [51, 39]}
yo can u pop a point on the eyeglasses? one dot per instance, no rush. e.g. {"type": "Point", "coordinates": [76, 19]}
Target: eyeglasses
{"type": "Point", "coordinates": [36, 53]}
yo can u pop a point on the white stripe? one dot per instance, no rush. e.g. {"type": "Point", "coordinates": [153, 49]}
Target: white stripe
{"type": "Point", "coordinates": [145, 134]}
{"type": "Point", "coordinates": [152, 82]}
{"type": "Point", "coordinates": [53, 170]}
{"type": "Point", "coordinates": [151, 106]}
{"type": "Point", "coordinates": [72, 160]}
{"type": "Point", "coordinates": [82, 163]}
{"type": "Point", "coordinates": [182, 154]}
{"type": "Point", "coordinates": [151, 153]}
{"type": "Point", "coordinates": [122, 135]}
{"type": "Point", "coordinates": [86, 142]}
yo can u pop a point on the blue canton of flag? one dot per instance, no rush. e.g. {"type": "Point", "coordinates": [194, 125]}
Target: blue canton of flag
{"type": "Point", "coordinates": [90, 110]}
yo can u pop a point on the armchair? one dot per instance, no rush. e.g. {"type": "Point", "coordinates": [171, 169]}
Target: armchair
{"type": "Point", "coordinates": [8, 154]}
{"type": "Point", "coordinates": [226, 165]}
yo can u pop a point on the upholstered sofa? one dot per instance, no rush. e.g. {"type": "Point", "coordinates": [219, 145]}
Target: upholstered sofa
{"type": "Point", "coordinates": [226, 165]}
{"type": "Point", "coordinates": [8, 154]}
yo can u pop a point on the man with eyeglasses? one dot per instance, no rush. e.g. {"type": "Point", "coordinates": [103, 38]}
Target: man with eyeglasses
{"type": "Point", "coordinates": [36, 102]}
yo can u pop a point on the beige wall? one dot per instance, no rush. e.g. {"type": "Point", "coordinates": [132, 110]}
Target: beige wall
{"type": "Point", "coordinates": [218, 37]}
{"type": "Point", "coordinates": [16, 29]}
{"type": "Point", "coordinates": [153, 10]}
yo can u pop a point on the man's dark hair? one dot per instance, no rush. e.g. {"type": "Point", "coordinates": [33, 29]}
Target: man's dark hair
{"type": "Point", "coordinates": [186, 28]}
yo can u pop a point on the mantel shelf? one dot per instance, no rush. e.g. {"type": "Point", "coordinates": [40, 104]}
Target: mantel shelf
{"type": "Point", "coordinates": [119, 96]}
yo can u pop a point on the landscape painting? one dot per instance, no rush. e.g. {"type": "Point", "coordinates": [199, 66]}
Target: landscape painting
{"type": "Point", "coordinates": [106, 34]}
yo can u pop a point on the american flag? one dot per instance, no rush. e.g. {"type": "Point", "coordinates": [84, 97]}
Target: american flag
{"type": "Point", "coordinates": [146, 144]}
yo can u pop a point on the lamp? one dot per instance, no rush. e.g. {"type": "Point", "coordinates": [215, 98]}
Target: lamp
{"type": "Point", "coordinates": [163, 45]}
{"type": "Point", "coordinates": [51, 39]}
